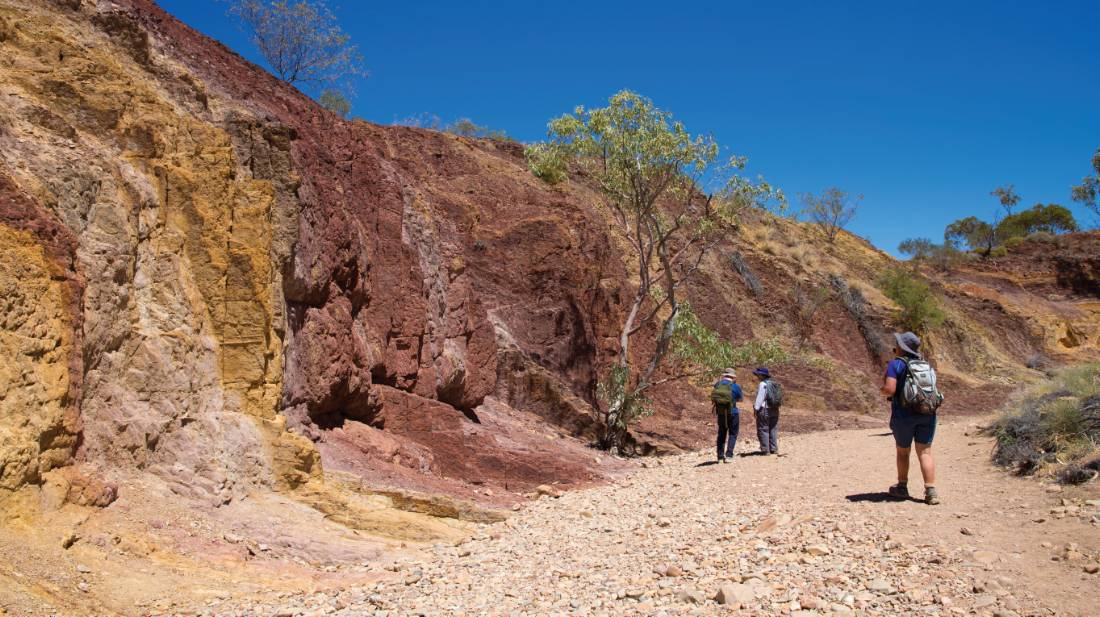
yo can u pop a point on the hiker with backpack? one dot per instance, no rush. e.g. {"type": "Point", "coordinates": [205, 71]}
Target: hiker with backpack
{"type": "Point", "coordinates": [769, 398]}
{"type": "Point", "coordinates": [910, 384]}
{"type": "Point", "coordinates": [724, 396]}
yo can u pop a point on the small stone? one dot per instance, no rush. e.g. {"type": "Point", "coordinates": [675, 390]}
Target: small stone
{"type": "Point", "coordinates": [83, 569]}
{"type": "Point", "coordinates": [735, 593]}
{"type": "Point", "coordinates": [232, 538]}
{"type": "Point", "coordinates": [691, 596]}
{"type": "Point", "coordinates": [817, 550]}
{"type": "Point", "coordinates": [664, 522]}
{"type": "Point", "coordinates": [83, 587]}
{"type": "Point", "coordinates": [546, 489]}
{"type": "Point", "coordinates": [879, 585]}
{"type": "Point", "coordinates": [985, 557]}
{"type": "Point", "coordinates": [1092, 568]}
{"type": "Point", "coordinates": [674, 571]}
{"type": "Point", "coordinates": [69, 539]}
{"type": "Point", "coordinates": [966, 531]}
{"type": "Point", "coordinates": [984, 600]}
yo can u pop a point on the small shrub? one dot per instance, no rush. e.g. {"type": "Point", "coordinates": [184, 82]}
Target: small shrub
{"type": "Point", "coordinates": [1055, 424]}
{"type": "Point", "coordinates": [759, 353]}
{"type": "Point", "coordinates": [998, 252]}
{"type": "Point", "coordinates": [1044, 237]}
{"type": "Point", "coordinates": [1013, 242]}
{"type": "Point", "coordinates": [920, 309]}
{"type": "Point", "coordinates": [769, 247]}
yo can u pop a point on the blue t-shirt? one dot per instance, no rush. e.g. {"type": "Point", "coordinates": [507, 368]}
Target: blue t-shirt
{"type": "Point", "coordinates": [896, 369]}
{"type": "Point", "coordinates": [735, 389]}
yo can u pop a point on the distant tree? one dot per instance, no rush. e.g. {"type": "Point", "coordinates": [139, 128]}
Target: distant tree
{"type": "Point", "coordinates": [808, 300]}
{"type": "Point", "coordinates": [300, 40]}
{"type": "Point", "coordinates": [649, 170]}
{"type": "Point", "coordinates": [832, 210]}
{"type": "Point", "coordinates": [468, 128]}
{"type": "Point", "coordinates": [972, 232]}
{"type": "Point", "coordinates": [920, 311]}
{"type": "Point", "coordinates": [1086, 193]}
{"type": "Point", "coordinates": [942, 257]}
{"type": "Point", "coordinates": [1050, 218]}
{"type": "Point", "coordinates": [917, 248]}
{"type": "Point", "coordinates": [423, 120]}
{"type": "Point", "coordinates": [1007, 197]}
{"type": "Point", "coordinates": [335, 102]}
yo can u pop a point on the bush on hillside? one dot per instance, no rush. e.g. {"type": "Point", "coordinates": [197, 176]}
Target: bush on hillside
{"type": "Point", "coordinates": [920, 310]}
{"type": "Point", "coordinates": [1055, 425]}
{"type": "Point", "coordinates": [942, 257]}
{"type": "Point", "coordinates": [468, 128]}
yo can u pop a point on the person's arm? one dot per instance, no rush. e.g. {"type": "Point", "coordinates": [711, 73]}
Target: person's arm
{"type": "Point", "coordinates": [890, 382]}
{"type": "Point", "coordinates": [760, 396]}
{"type": "Point", "coordinates": [738, 396]}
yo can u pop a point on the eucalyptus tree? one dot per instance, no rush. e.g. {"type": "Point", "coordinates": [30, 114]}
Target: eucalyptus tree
{"type": "Point", "coordinates": [651, 172]}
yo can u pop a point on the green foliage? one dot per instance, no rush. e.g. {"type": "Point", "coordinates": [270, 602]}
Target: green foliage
{"type": "Point", "coordinates": [621, 406]}
{"type": "Point", "coordinates": [1007, 197]}
{"type": "Point", "coordinates": [1086, 193]}
{"type": "Point", "coordinates": [920, 311]}
{"type": "Point", "coordinates": [1054, 424]}
{"type": "Point", "coordinates": [697, 345]}
{"type": "Point", "coordinates": [1050, 218]}
{"type": "Point", "coordinates": [335, 102]}
{"type": "Point", "coordinates": [917, 248]}
{"type": "Point", "coordinates": [300, 40]}
{"type": "Point", "coordinates": [759, 352]}
{"type": "Point", "coordinates": [832, 210]}
{"type": "Point", "coordinates": [975, 233]}
{"type": "Point", "coordinates": [468, 128]}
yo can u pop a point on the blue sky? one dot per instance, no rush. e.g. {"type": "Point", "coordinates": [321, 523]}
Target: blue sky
{"type": "Point", "coordinates": [924, 108]}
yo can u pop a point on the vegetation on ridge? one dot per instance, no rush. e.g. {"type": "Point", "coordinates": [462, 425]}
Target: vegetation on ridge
{"type": "Point", "coordinates": [300, 40]}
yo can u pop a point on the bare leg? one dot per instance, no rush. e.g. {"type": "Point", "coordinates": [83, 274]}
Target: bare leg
{"type": "Point", "coordinates": [903, 465]}
{"type": "Point", "coordinates": [927, 463]}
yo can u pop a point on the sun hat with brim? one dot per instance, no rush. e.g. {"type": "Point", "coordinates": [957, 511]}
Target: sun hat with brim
{"type": "Point", "coordinates": [729, 373]}
{"type": "Point", "coordinates": [908, 342]}
{"type": "Point", "coordinates": [762, 371]}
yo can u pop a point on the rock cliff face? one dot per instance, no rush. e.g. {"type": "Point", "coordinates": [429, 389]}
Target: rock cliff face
{"type": "Point", "coordinates": [209, 279]}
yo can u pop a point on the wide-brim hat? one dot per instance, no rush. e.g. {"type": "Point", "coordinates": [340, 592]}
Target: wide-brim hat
{"type": "Point", "coordinates": [729, 373]}
{"type": "Point", "coordinates": [762, 371]}
{"type": "Point", "coordinates": [908, 342]}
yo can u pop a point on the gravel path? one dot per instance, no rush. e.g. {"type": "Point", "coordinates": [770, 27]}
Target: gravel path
{"type": "Point", "coordinates": [807, 533]}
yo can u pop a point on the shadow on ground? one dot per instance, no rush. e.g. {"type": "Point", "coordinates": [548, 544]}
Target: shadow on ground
{"type": "Point", "coordinates": [880, 497]}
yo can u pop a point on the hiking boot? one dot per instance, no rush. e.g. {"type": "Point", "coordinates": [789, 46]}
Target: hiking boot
{"type": "Point", "coordinates": [721, 460]}
{"type": "Point", "coordinates": [930, 496]}
{"type": "Point", "coordinates": [899, 491]}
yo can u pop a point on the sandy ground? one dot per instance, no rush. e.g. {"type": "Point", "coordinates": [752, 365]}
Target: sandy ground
{"type": "Point", "coordinates": [809, 532]}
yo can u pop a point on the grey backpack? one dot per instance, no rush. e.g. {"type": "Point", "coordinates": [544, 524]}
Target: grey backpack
{"type": "Point", "coordinates": [920, 394]}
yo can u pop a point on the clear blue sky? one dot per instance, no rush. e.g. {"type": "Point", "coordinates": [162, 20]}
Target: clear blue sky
{"type": "Point", "coordinates": [922, 107]}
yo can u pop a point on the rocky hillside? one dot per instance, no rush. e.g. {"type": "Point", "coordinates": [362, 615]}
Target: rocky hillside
{"type": "Point", "coordinates": [215, 285]}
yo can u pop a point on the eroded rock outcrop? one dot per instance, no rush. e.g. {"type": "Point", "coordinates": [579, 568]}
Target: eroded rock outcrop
{"type": "Point", "coordinates": [209, 278]}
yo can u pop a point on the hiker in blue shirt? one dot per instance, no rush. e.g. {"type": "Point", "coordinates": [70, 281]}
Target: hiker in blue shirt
{"type": "Point", "coordinates": [908, 426]}
{"type": "Point", "coordinates": [729, 417]}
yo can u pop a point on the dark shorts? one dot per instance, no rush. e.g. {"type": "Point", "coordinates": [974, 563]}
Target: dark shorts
{"type": "Point", "coordinates": [910, 427]}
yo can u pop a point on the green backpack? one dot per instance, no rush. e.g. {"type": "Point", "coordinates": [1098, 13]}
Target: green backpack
{"type": "Point", "coordinates": [773, 396]}
{"type": "Point", "coordinates": [722, 394]}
